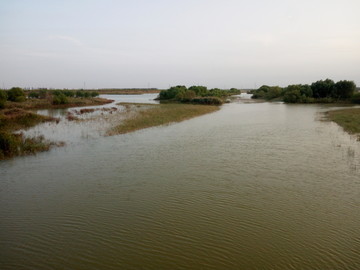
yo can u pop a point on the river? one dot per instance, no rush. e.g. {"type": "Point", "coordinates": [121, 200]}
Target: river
{"type": "Point", "coordinates": [252, 186]}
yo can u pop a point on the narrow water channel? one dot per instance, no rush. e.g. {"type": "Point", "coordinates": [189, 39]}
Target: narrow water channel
{"type": "Point", "coordinates": [252, 186]}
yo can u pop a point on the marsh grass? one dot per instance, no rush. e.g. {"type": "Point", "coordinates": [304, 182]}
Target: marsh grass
{"type": "Point", "coordinates": [15, 119]}
{"type": "Point", "coordinates": [348, 119]}
{"type": "Point", "coordinates": [16, 144]}
{"type": "Point", "coordinates": [30, 104]}
{"type": "Point", "coordinates": [147, 115]}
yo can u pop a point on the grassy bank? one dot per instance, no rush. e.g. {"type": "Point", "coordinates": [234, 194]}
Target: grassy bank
{"type": "Point", "coordinates": [155, 115]}
{"type": "Point", "coordinates": [349, 119]}
{"type": "Point", "coordinates": [31, 104]}
{"type": "Point", "coordinates": [16, 119]}
{"type": "Point", "coordinates": [16, 144]}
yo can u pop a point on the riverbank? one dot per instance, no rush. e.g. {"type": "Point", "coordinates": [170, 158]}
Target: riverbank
{"type": "Point", "coordinates": [33, 104]}
{"type": "Point", "coordinates": [155, 115]}
{"type": "Point", "coordinates": [348, 119]}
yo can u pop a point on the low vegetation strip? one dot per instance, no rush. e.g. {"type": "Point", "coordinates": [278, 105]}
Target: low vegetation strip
{"type": "Point", "coordinates": [156, 115]}
{"type": "Point", "coordinates": [349, 119]}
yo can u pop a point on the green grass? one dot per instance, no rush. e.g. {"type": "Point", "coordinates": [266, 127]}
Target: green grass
{"type": "Point", "coordinates": [155, 115]}
{"type": "Point", "coordinates": [349, 119]}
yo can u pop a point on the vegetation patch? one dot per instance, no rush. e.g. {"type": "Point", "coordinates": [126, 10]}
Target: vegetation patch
{"type": "Point", "coordinates": [349, 119]}
{"type": "Point", "coordinates": [15, 119]}
{"type": "Point", "coordinates": [14, 144]}
{"type": "Point", "coordinates": [197, 94]}
{"type": "Point", "coordinates": [323, 91]}
{"type": "Point", "coordinates": [156, 115]}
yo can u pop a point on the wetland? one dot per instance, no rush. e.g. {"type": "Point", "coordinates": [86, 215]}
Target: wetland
{"type": "Point", "coordinates": [248, 186]}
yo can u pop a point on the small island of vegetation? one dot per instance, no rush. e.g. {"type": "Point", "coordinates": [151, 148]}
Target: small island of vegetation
{"type": "Point", "coordinates": [323, 91]}
{"type": "Point", "coordinates": [197, 95]}
{"type": "Point", "coordinates": [178, 103]}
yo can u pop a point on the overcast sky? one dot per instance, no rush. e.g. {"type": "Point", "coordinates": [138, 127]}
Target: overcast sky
{"type": "Point", "coordinates": [160, 43]}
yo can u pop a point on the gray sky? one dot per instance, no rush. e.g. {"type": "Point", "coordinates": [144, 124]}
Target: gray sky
{"type": "Point", "coordinates": [158, 43]}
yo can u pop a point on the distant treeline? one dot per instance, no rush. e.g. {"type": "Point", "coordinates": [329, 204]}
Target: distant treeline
{"type": "Point", "coordinates": [323, 91]}
{"type": "Point", "coordinates": [197, 94]}
{"type": "Point", "coordinates": [17, 94]}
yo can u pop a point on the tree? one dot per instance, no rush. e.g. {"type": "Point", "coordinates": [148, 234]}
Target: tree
{"type": "Point", "coordinates": [16, 94]}
{"type": "Point", "coordinates": [172, 92]}
{"type": "Point", "coordinates": [293, 94]}
{"type": "Point", "coordinates": [273, 92]}
{"type": "Point", "coordinates": [306, 91]}
{"type": "Point", "coordinates": [323, 89]}
{"type": "Point", "coordinates": [344, 89]}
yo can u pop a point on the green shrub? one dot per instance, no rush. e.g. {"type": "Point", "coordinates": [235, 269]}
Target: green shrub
{"type": "Point", "coordinates": [356, 98]}
{"type": "Point", "coordinates": [207, 101]}
{"type": "Point", "coordinates": [9, 143]}
{"type": "Point", "coordinates": [80, 93]}
{"type": "Point", "coordinates": [34, 94]}
{"type": "Point", "coordinates": [3, 98]}
{"type": "Point", "coordinates": [94, 94]}
{"type": "Point", "coordinates": [68, 93]}
{"type": "Point", "coordinates": [60, 99]}
{"type": "Point", "coordinates": [16, 94]}
{"type": "Point", "coordinates": [17, 144]}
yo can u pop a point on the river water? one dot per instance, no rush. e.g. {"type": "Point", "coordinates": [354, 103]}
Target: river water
{"type": "Point", "coordinates": [252, 186]}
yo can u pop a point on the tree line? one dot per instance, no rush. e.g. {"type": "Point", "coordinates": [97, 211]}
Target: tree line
{"type": "Point", "coordinates": [325, 91]}
{"type": "Point", "coordinates": [17, 94]}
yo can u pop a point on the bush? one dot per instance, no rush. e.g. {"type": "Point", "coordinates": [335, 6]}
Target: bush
{"type": "Point", "coordinates": [344, 89]}
{"type": "Point", "coordinates": [94, 94]}
{"type": "Point", "coordinates": [356, 98]}
{"type": "Point", "coordinates": [34, 94]}
{"type": "Point", "coordinates": [68, 93]}
{"type": "Point", "coordinates": [207, 101]}
{"type": "Point", "coordinates": [199, 90]}
{"type": "Point", "coordinates": [186, 96]}
{"type": "Point", "coordinates": [17, 144]}
{"type": "Point", "coordinates": [3, 97]}
{"type": "Point", "coordinates": [292, 96]}
{"type": "Point", "coordinates": [60, 99]}
{"type": "Point", "coordinates": [80, 93]}
{"type": "Point", "coordinates": [172, 92]}
{"type": "Point", "coordinates": [9, 144]}
{"type": "Point", "coordinates": [16, 94]}
{"type": "Point", "coordinates": [267, 92]}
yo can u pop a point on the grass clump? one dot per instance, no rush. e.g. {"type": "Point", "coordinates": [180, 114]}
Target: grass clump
{"type": "Point", "coordinates": [349, 119]}
{"type": "Point", "coordinates": [15, 119]}
{"type": "Point", "coordinates": [12, 145]}
{"type": "Point", "coordinates": [156, 115]}
{"type": "Point", "coordinates": [16, 144]}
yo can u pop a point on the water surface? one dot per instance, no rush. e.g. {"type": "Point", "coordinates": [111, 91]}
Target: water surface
{"type": "Point", "coordinates": [252, 186]}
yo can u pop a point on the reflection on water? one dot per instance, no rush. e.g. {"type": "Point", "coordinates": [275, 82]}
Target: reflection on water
{"type": "Point", "coordinates": [252, 186]}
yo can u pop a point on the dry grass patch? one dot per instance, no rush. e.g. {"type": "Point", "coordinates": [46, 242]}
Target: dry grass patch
{"type": "Point", "coordinates": [349, 119]}
{"type": "Point", "coordinates": [155, 115]}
